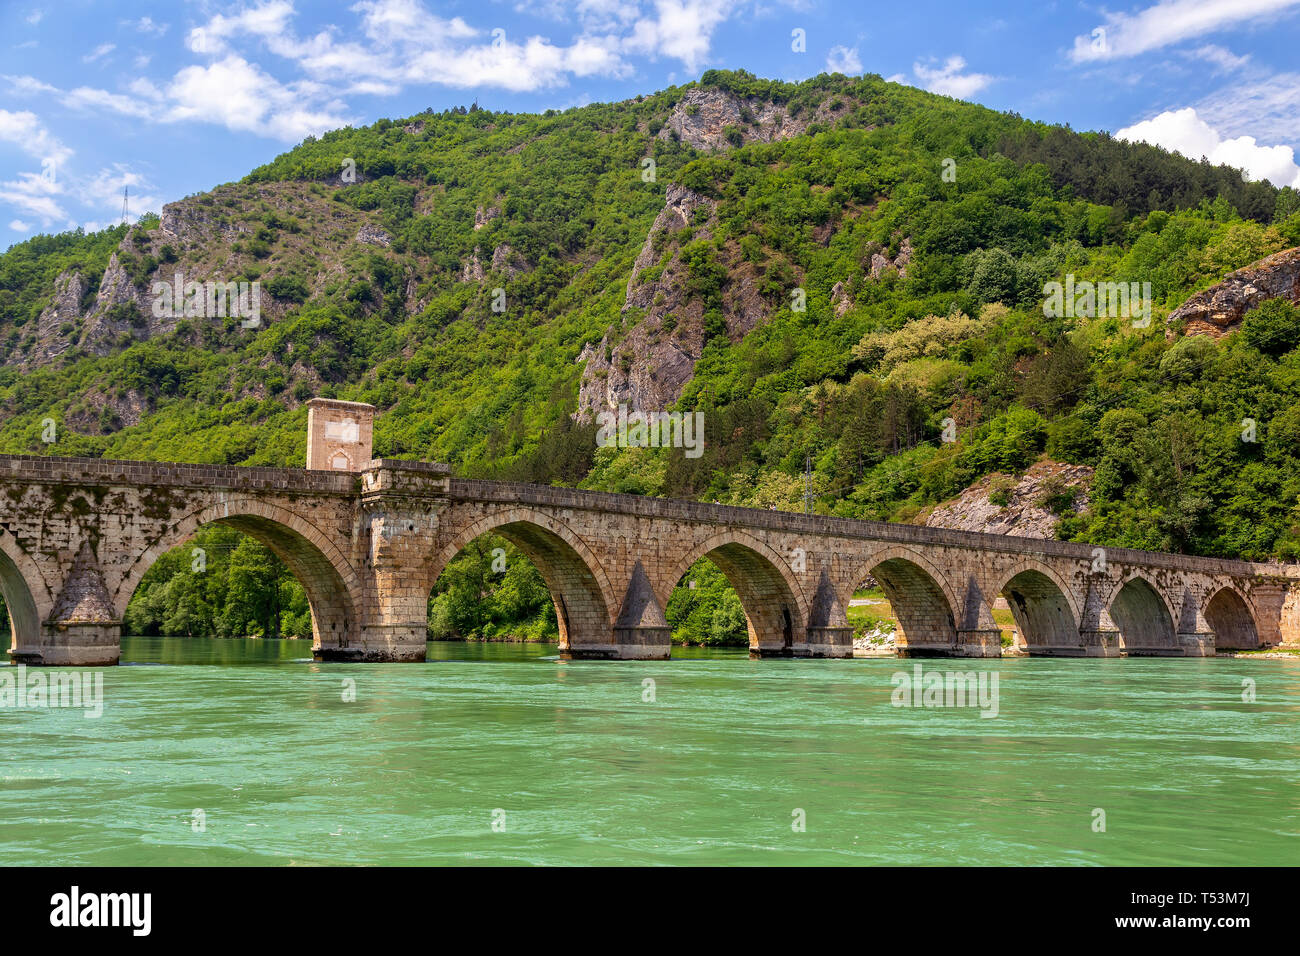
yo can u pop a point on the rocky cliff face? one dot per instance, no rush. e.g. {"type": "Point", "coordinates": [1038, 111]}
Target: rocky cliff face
{"type": "Point", "coordinates": [711, 119]}
{"type": "Point", "coordinates": [646, 364]}
{"type": "Point", "coordinates": [647, 367]}
{"type": "Point", "coordinates": [106, 322]}
{"type": "Point", "coordinates": [237, 230]}
{"type": "Point", "coordinates": [57, 322]}
{"type": "Point", "coordinates": [1220, 308]}
{"type": "Point", "coordinates": [1024, 513]}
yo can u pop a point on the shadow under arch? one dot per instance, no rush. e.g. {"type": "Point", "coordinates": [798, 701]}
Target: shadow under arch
{"type": "Point", "coordinates": [923, 605]}
{"type": "Point", "coordinates": [578, 585]}
{"type": "Point", "coordinates": [1144, 619]}
{"type": "Point", "coordinates": [776, 614]}
{"type": "Point", "coordinates": [1043, 607]}
{"type": "Point", "coordinates": [332, 587]}
{"type": "Point", "coordinates": [26, 608]}
{"type": "Point", "coordinates": [1231, 620]}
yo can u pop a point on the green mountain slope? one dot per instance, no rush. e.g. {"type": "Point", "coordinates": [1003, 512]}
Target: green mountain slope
{"type": "Point", "coordinates": [919, 230]}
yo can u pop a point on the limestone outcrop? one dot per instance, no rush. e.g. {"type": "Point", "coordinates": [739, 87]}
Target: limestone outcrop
{"type": "Point", "coordinates": [712, 119]}
{"type": "Point", "coordinates": [52, 327]}
{"type": "Point", "coordinates": [647, 366]}
{"type": "Point", "coordinates": [1000, 504]}
{"type": "Point", "coordinates": [1219, 309]}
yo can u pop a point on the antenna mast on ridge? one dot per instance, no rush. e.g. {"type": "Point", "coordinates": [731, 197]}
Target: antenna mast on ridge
{"type": "Point", "coordinates": [125, 189]}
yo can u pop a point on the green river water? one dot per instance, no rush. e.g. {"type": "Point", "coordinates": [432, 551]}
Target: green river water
{"type": "Point", "coordinates": [574, 765]}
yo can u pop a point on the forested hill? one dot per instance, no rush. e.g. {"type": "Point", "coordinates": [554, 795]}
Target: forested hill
{"type": "Point", "coordinates": [828, 270]}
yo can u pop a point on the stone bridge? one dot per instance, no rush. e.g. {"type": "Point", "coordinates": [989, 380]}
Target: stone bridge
{"type": "Point", "coordinates": [368, 545]}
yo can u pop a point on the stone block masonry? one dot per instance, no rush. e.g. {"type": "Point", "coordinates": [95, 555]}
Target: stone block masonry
{"type": "Point", "coordinates": [340, 435]}
{"type": "Point", "coordinates": [368, 543]}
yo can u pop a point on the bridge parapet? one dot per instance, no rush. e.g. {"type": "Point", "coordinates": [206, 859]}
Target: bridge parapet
{"type": "Point", "coordinates": [107, 471]}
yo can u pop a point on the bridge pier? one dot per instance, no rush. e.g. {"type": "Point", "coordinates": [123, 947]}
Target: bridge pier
{"type": "Point", "coordinates": [967, 642]}
{"type": "Point", "coordinates": [826, 642]}
{"type": "Point", "coordinates": [1197, 645]}
{"type": "Point", "coordinates": [979, 642]}
{"type": "Point", "coordinates": [73, 644]}
{"type": "Point", "coordinates": [1098, 642]}
{"type": "Point", "coordinates": [82, 630]}
{"type": "Point", "coordinates": [641, 632]}
{"type": "Point", "coordinates": [376, 643]}
{"type": "Point", "coordinates": [630, 644]}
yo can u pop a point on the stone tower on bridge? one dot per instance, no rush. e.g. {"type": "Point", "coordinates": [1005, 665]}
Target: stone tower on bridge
{"type": "Point", "coordinates": [340, 435]}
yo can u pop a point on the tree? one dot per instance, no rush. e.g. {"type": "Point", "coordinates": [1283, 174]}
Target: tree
{"type": "Point", "coordinates": [1273, 327]}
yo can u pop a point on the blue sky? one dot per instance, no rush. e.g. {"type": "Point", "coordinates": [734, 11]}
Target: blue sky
{"type": "Point", "coordinates": [173, 98]}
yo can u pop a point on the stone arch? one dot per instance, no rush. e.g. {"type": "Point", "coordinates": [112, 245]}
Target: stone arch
{"type": "Point", "coordinates": [776, 608]}
{"type": "Point", "coordinates": [1044, 606]}
{"type": "Point", "coordinates": [25, 595]}
{"type": "Point", "coordinates": [1231, 619]}
{"type": "Point", "coordinates": [925, 607]}
{"type": "Point", "coordinates": [1142, 614]}
{"type": "Point", "coordinates": [585, 603]}
{"type": "Point", "coordinates": [333, 587]}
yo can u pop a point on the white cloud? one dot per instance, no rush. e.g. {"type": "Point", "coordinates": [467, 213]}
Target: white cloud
{"type": "Point", "coordinates": [33, 194]}
{"type": "Point", "coordinates": [103, 191]}
{"type": "Point", "coordinates": [1184, 131]}
{"type": "Point", "coordinates": [591, 15]}
{"type": "Point", "coordinates": [680, 29]}
{"type": "Point", "coordinates": [949, 79]}
{"type": "Point", "coordinates": [28, 85]}
{"type": "Point", "coordinates": [1168, 22]}
{"type": "Point", "coordinates": [1264, 106]}
{"type": "Point", "coordinates": [265, 20]}
{"type": "Point", "coordinates": [26, 131]}
{"type": "Point", "coordinates": [1224, 59]}
{"type": "Point", "coordinates": [230, 92]}
{"type": "Point", "coordinates": [17, 225]}
{"type": "Point", "coordinates": [92, 99]}
{"type": "Point", "coordinates": [149, 25]}
{"type": "Point", "coordinates": [35, 16]}
{"type": "Point", "coordinates": [240, 96]}
{"type": "Point", "coordinates": [400, 43]}
{"type": "Point", "coordinates": [104, 49]}
{"type": "Point", "coordinates": [843, 60]}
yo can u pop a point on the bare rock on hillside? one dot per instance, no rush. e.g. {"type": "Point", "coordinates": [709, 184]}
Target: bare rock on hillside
{"type": "Point", "coordinates": [120, 308]}
{"type": "Point", "coordinates": [1220, 308]}
{"type": "Point", "coordinates": [473, 268]}
{"type": "Point", "coordinates": [709, 118]}
{"type": "Point", "coordinates": [648, 367]}
{"type": "Point", "coordinates": [507, 261]}
{"type": "Point", "coordinates": [53, 338]}
{"type": "Point", "coordinates": [372, 235]}
{"type": "Point", "coordinates": [1024, 514]}
{"type": "Point", "coordinates": [880, 262]}
{"type": "Point", "coordinates": [841, 301]}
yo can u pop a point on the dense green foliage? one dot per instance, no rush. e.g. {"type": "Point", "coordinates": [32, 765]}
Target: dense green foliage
{"type": "Point", "coordinates": [221, 584]}
{"type": "Point", "coordinates": [705, 610]}
{"type": "Point", "coordinates": [864, 392]}
{"type": "Point", "coordinates": [491, 591]}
